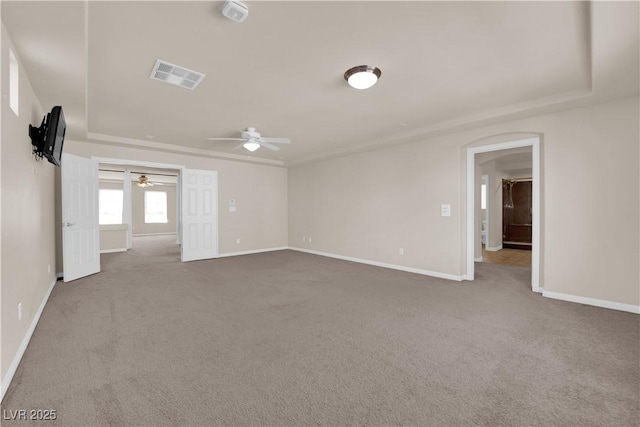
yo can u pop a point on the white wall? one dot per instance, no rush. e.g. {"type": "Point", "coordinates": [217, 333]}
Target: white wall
{"type": "Point", "coordinates": [368, 205]}
{"type": "Point", "coordinates": [137, 199]}
{"type": "Point", "coordinates": [371, 204]}
{"type": "Point", "coordinates": [2, 109]}
{"type": "Point", "coordinates": [28, 244]}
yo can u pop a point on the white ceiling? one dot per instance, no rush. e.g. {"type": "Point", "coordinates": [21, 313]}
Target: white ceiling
{"type": "Point", "coordinates": [511, 155]}
{"type": "Point", "coordinates": [445, 65]}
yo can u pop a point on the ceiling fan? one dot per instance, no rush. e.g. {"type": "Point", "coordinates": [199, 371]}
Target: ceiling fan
{"type": "Point", "coordinates": [251, 140]}
{"type": "Point", "coordinates": [143, 181]}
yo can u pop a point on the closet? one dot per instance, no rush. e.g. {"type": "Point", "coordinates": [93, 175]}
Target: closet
{"type": "Point", "coordinates": [516, 213]}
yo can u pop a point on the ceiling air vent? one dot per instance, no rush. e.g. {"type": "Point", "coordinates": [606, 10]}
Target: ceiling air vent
{"type": "Point", "coordinates": [176, 75]}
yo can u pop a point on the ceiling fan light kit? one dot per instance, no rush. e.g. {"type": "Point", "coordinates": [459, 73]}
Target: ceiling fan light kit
{"type": "Point", "coordinates": [235, 10]}
{"type": "Point", "coordinates": [251, 140]}
{"type": "Point", "coordinates": [143, 182]}
{"type": "Point", "coordinates": [251, 146]}
{"type": "Point", "coordinates": [362, 76]}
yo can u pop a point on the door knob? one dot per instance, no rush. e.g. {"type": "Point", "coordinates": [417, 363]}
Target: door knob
{"type": "Point", "coordinates": [68, 224]}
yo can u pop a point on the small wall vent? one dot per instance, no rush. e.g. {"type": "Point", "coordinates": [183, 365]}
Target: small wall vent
{"type": "Point", "coordinates": [176, 75]}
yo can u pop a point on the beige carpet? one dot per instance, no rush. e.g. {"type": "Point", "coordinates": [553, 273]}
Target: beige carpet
{"type": "Point", "coordinates": [287, 338]}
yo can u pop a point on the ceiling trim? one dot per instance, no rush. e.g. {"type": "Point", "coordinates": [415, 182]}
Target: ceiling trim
{"type": "Point", "coordinates": [471, 121]}
{"type": "Point", "coordinates": [161, 146]}
{"type": "Point", "coordinates": [137, 163]}
{"type": "Point", "coordinates": [525, 109]}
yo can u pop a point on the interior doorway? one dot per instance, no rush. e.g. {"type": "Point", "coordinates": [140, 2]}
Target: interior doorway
{"type": "Point", "coordinates": [135, 203]}
{"type": "Point", "coordinates": [197, 213]}
{"type": "Point", "coordinates": [505, 207]}
{"type": "Point", "coordinates": [197, 208]}
{"type": "Point", "coordinates": [486, 232]}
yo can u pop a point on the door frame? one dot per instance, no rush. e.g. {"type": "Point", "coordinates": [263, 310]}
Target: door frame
{"type": "Point", "coordinates": [142, 163]}
{"type": "Point", "coordinates": [534, 143]}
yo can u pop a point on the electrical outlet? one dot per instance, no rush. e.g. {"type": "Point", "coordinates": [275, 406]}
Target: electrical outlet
{"type": "Point", "coordinates": [237, 241]}
{"type": "Point", "coordinates": [401, 251]}
{"type": "Point", "coordinates": [19, 311]}
{"type": "Point", "coordinates": [309, 239]}
{"type": "Point", "coordinates": [304, 238]}
{"type": "Point", "coordinates": [49, 268]}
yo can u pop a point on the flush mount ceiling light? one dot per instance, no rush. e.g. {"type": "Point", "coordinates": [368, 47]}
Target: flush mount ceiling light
{"type": "Point", "coordinates": [362, 76]}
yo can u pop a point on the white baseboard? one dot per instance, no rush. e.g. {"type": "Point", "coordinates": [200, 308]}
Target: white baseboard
{"type": "Point", "coordinates": [255, 251]}
{"type": "Point", "coordinates": [493, 248]}
{"type": "Point", "coordinates": [593, 301]}
{"type": "Point", "coordinates": [478, 259]}
{"type": "Point", "coordinates": [155, 234]}
{"type": "Point", "coordinates": [110, 251]}
{"type": "Point", "coordinates": [6, 381]}
{"type": "Point", "coordinates": [383, 264]}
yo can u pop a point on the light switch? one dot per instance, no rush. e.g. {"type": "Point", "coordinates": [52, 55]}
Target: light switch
{"type": "Point", "coordinates": [445, 210]}
{"type": "Point", "coordinates": [232, 202]}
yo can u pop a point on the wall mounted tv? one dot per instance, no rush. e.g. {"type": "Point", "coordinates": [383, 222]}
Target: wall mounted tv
{"type": "Point", "coordinates": [47, 139]}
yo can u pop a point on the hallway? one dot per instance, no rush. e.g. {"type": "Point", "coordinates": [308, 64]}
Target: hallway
{"type": "Point", "coordinates": [506, 256]}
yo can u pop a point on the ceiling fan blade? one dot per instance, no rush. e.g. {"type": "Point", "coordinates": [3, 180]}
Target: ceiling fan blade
{"type": "Point", "coordinates": [238, 146]}
{"type": "Point", "coordinates": [269, 146]}
{"type": "Point", "coordinates": [157, 183]}
{"type": "Point", "coordinates": [226, 139]}
{"type": "Point", "coordinates": [275, 140]}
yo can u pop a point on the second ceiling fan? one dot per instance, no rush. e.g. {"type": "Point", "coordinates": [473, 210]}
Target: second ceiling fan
{"type": "Point", "coordinates": [251, 140]}
{"type": "Point", "coordinates": [143, 181]}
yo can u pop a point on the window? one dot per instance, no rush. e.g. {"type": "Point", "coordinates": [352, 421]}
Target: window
{"type": "Point", "coordinates": [110, 206]}
{"type": "Point", "coordinates": [155, 207]}
{"type": "Point", "coordinates": [483, 196]}
{"type": "Point", "coordinates": [14, 83]}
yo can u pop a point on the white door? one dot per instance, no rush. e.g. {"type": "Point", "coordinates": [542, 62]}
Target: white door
{"type": "Point", "coordinates": [127, 210]}
{"type": "Point", "coordinates": [80, 229]}
{"type": "Point", "coordinates": [179, 209]}
{"type": "Point", "coordinates": [199, 214]}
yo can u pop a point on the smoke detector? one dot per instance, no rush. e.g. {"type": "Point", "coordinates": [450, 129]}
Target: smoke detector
{"type": "Point", "coordinates": [235, 10]}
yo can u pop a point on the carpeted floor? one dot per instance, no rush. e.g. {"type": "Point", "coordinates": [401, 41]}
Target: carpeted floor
{"type": "Point", "coordinates": [286, 338]}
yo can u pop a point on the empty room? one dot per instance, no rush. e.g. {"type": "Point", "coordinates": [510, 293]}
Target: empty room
{"type": "Point", "coordinates": [230, 213]}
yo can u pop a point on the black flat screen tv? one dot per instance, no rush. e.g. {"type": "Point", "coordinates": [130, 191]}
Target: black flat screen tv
{"type": "Point", "coordinates": [47, 140]}
{"type": "Point", "coordinates": [54, 138]}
